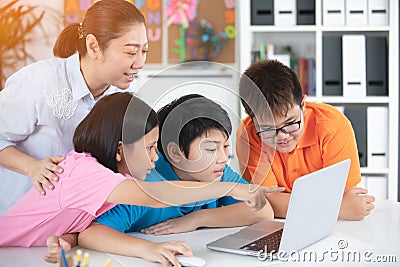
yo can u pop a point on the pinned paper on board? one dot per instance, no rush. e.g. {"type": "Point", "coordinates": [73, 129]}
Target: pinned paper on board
{"type": "Point", "coordinates": [181, 13]}
{"type": "Point", "coordinates": [203, 41]}
{"type": "Point", "coordinates": [208, 35]}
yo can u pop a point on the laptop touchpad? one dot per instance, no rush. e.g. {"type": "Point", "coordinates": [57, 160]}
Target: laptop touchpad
{"type": "Point", "coordinates": [249, 234]}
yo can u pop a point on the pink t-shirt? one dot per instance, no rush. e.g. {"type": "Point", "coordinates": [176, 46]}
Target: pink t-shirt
{"type": "Point", "coordinates": [78, 198]}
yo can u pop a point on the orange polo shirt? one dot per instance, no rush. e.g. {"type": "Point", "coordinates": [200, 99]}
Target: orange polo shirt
{"type": "Point", "coordinates": [328, 138]}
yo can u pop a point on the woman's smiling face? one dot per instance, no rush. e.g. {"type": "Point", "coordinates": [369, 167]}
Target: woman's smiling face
{"type": "Point", "coordinates": [124, 57]}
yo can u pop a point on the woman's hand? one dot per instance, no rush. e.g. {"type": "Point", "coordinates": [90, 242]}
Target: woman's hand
{"type": "Point", "coordinates": [43, 171]}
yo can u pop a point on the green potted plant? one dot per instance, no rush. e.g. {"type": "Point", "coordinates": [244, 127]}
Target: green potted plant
{"type": "Point", "coordinates": [18, 23]}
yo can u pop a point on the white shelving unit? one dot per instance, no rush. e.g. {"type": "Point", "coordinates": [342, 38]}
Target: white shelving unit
{"type": "Point", "coordinates": [307, 42]}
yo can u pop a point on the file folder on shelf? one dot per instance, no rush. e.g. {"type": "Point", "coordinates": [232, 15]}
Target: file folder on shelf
{"type": "Point", "coordinates": [332, 65]}
{"type": "Point", "coordinates": [358, 118]}
{"type": "Point", "coordinates": [305, 12]}
{"type": "Point", "coordinates": [354, 66]}
{"type": "Point", "coordinates": [363, 183]}
{"type": "Point", "coordinates": [285, 12]}
{"type": "Point", "coordinates": [377, 186]}
{"type": "Point", "coordinates": [378, 11]}
{"type": "Point", "coordinates": [377, 68]}
{"type": "Point", "coordinates": [377, 136]}
{"type": "Point", "coordinates": [340, 108]}
{"type": "Point", "coordinates": [333, 13]}
{"type": "Point", "coordinates": [356, 13]}
{"type": "Point", "coordinates": [262, 12]}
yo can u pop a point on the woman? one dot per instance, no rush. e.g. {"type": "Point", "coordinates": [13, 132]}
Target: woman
{"type": "Point", "coordinates": [42, 104]}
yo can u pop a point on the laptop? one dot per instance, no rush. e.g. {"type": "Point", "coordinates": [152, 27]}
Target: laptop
{"type": "Point", "coordinates": [312, 215]}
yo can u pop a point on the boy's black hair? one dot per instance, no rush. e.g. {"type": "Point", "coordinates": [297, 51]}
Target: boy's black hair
{"type": "Point", "coordinates": [187, 118]}
{"type": "Point", "coordinates": [116, 117]}
{"type": "Point", "coordinates": [269, 86]}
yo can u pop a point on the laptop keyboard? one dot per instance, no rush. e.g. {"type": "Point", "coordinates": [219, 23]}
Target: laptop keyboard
{"type": "Point", "coordinates": [270, 241]}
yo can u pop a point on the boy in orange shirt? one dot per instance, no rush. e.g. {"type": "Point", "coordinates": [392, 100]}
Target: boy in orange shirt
{"type": "Point", "coordinates": [284, 137]}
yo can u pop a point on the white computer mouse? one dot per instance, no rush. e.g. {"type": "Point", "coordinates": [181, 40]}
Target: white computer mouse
{"type": "Point", "coordinates": [191, 261]}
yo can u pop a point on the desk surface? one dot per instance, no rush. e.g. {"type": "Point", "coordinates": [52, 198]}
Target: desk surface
{"type": "Point", "coordinates": [376, 238]}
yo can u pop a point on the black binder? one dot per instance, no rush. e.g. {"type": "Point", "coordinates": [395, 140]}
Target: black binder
{"type": "Point", "coordinates": [305, 12]}
{"type": "Point", "coordinates": [377, 66]}
{"type": "Point", "coordinates": [262, 12]}
{"type": "Point", "coordinates": [332, 65]}
{"type": "Point", "coordinates": [358, 118]}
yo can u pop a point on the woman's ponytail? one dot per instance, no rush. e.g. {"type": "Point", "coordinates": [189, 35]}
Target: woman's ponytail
{"type": "Point", "coordinates": [69, 40]}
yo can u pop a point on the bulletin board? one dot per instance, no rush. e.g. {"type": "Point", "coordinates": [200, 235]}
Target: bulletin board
{"type": "Point", "coordinates": [218, 15]}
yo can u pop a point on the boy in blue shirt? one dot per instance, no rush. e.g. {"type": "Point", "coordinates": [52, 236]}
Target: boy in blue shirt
{"type": "Point", "coordinates": [193, 145]}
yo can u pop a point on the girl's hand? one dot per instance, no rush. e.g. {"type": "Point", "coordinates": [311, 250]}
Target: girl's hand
{"type": "Point", "coordinates": [254, 195]}
{"type": "Point", "coordinates": [165, 252]}
{"type": "Point", "coordinates": [42, 171]}
{"type": "Point", "coordinates": [54, 245]}
{"type": "Point", "coordinates": [182, 224]}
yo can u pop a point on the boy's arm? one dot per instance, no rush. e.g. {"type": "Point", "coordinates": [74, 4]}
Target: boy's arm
{"type": "Point", "coordinates": [356, 204]}
{"type": "Point", "coordinates": [238, 214]}
{"type": "Point", "coordinates": [106, 239]}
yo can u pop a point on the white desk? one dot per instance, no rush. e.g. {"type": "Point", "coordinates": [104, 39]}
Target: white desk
{"type": "Point", "coordinates": [379, 233]}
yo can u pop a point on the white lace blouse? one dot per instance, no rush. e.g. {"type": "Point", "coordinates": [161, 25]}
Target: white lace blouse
{"type": "Point", "coordinates": [40, 107]}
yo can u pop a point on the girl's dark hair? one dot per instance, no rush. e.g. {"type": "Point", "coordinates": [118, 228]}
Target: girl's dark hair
{"type": "Point", "coordinates": [116, 117]}
{"type": "Point", "coordinates": [187, 118]}
{"type": "Point", "coordinates": [105, 19]}
{"type": "Point", "coordinates": [268, 85]}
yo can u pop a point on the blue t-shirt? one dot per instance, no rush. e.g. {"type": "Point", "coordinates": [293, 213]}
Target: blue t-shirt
{"type": "Point", "coordinates": [131, 218]}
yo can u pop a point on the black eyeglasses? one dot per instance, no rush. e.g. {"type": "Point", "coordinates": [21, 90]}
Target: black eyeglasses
{"type": "Point", "coordinates": [287, 129]}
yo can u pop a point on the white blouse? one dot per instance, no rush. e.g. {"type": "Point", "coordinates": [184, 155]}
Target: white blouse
{"type": "Point", "coordinates": [40, 107]}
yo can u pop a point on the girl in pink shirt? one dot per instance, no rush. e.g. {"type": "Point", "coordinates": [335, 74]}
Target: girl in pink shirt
{"type": "Point", "coordinates": [115, 142]}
